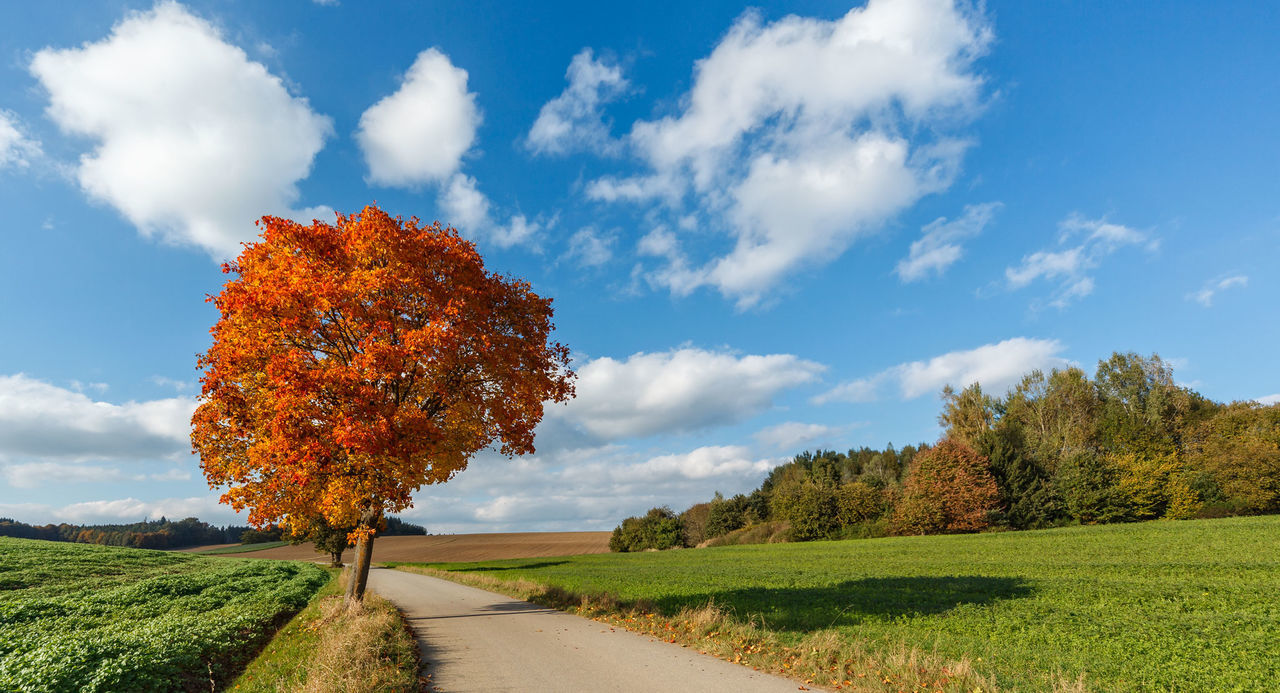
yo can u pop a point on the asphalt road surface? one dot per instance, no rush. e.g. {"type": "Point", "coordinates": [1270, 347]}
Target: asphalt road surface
{"type": "Point", "coordinates": [473, 640]}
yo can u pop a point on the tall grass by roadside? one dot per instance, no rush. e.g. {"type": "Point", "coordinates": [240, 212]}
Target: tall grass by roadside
{"type": "Point", "coordinates": [327, 648]}
{"type": "Point", "coordinates": [1138, 607]}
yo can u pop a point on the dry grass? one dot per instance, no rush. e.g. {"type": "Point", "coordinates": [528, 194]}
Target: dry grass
{"type": "Point", "coordinates": [823, 658]}
{"type": "Point", "coordinates": [763, 533]}
{"type": "Point", "coordinates": [329, 648]}
{"type": "Point", "coordinates": [362, 648]}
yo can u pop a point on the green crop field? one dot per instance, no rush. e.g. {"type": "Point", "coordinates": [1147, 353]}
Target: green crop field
{"type": "Point", "coordinates": [76, 617]}
{"type": "Point", "coordinates": [1165, 605]}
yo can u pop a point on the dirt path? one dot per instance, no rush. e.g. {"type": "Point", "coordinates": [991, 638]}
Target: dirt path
{"type": "Point", "coordinates": [473, 640]}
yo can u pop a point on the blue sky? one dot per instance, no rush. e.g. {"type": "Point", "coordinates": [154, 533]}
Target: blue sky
{"type": "Point", "coordinates": [765, 229]}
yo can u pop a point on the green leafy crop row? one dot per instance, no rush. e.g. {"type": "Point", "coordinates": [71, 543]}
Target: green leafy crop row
{"type": "Point", "coordinates": [96, 618]}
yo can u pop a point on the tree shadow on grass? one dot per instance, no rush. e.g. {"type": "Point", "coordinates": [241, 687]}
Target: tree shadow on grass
{"type": "Point", "coordinates": [850, 603]}
{"type": "Point", "coordinates": [517, 566]}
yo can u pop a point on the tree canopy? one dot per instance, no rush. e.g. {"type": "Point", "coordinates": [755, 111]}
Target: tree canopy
{"type": "Point", "coordinates": [354, 362]}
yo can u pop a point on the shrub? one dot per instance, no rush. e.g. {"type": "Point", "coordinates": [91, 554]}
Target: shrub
{"type": "Point", "coordinates": [658, 529]}
{"type": "Point", "coordinates": [949, 488]}
{"type": "Point", "coordinates": [858, 502]}
{"type": "Point", "coordinates": [725, 516]}
{"type": "Point", "coordinates": [693, 523]}
{"type": "Point", "coordinates": [809, 507]}
{"type": "Point", "coordinates": [1088, 486]}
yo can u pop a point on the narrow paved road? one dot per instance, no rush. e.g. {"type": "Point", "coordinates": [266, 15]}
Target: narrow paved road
{"type": "Point", "coordinates": [473, 640]}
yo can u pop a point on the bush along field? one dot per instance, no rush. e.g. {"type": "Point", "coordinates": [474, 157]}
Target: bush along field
{"type": "Point", "coordinates": [1136, 607]}
{"type": "Point", "coordinates": [77, 617]}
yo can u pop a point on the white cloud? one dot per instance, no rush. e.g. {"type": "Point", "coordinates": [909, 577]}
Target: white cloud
{"type": "Point", "coordinates": [701, 463]}
{"type": "Point", "coordinates": [1268, 400]}
{"type": "Point", "coordinates": [792, 435]}
{"type": "Point", "coordinates": [1210, 289]}
{"type": "Point", "coordinates": [996, 367]}
{"type": "Point", "coordinates": [418, 134]}
{"type": "Point", "coordinates": [799, 136]}
{"type": "Point", "coordinates": [36, 474]}
{"type": "Point", "coordinates": [467, 210]}
{"type": "Point", "coordinates": [1070, 266]}
{"type": "Point", "coordinates": [194, 141]}
{"type": "Point", "coordinates": [574, 121]}
{"type": "Point", "coordinates": [206, 508]}
{"type": "Point", "coordinates": [940, 247]}
{"type": "Point", "coordinates": [590, 488]}
{"type": "Point", "coordinates": [177, 385]}
{"type": "Point", "coordinates": [16, 149]}
{"type": "Point", "coordinates": [678, 391]}
{"type": "Point", "coordinates": [590, 249]}
{"type": "Point", "coordinates": [43, 422]}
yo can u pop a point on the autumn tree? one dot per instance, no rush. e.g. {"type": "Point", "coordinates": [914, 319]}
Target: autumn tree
{"type": "Point", "coordinates": [354, 362]}
{"type": "Point", "coordinates": [967, 415]}
{"type": "Point", "coordinates": [948, 489]}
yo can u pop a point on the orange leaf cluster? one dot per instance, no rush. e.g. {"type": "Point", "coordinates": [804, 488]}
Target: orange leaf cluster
{"type": "Point", "coordinates": [355, 362]}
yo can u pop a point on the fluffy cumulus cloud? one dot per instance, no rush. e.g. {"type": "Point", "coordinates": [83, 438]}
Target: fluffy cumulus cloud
{"type": "Point", "coordinates": [16, 149]}
{"type": "Point", "coordinates": [996, 367]}
{"type": "Point", "coordinates": [194, 140]}
{"type": "Point", "coordinates": [939, 245]}
{"type": "Point", "coordinates": [799, 136]}
{"type": "Point", "coordinates": [1269, 400]}
{"type": "Point", "coordinates": [42, 421]}
{"type": "Point", "coordinates": [791, 435]}
{"type": "Point", "coordinates": [467, 209]}
{"type": "Point", "coordinates": [1082, 246]}
{"type": "Point", "coordinates": [1211, 288]}
{"type": "Point", "coordinates": [418, 134]}
{"type": "Point", "coordinates": [575, 121]}
{"type": "Point", "coordinates": [679, 391]}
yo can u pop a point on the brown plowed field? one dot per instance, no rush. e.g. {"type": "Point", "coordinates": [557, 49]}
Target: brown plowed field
{"type": "Point", "coordinates": [454, 547]}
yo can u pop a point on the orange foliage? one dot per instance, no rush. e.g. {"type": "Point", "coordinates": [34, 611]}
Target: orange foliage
{"type": "Point", "coordinates": [355, 362]}
{"type": "Point", "coordinates": [948, 489]}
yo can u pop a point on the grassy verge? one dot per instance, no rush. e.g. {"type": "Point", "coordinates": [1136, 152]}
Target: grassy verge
{"type": "Point", "coordinates": [1151, 606]}
{"type": "Point", "coordinates": [243, 548]}
{"type": "Point", "coordinates": [820, 659]}
{"type": "Point", "coordinates": [99, 618]}
{"type": "Point", "coordinates": [327, 648]}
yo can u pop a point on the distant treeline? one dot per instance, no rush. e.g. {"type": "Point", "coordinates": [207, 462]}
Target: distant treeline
{"type": "Point", "coordinates": [165, 534]}
{"type": "Point", "coordinates": [1060, 448]}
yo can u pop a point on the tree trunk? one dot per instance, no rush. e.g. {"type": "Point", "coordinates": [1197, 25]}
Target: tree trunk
{"type": "Point", "coordinates": [364, 552]}
{"type": "Point", "coordinates": [335, 559]}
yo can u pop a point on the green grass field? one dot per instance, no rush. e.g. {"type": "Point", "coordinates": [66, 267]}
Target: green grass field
{"type": "Point", "coordinates": [1154, 606]}
{"type": "Point", "coordinates": [76, 617]}
{"type": "Point", "coordinates": [243, 548]}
